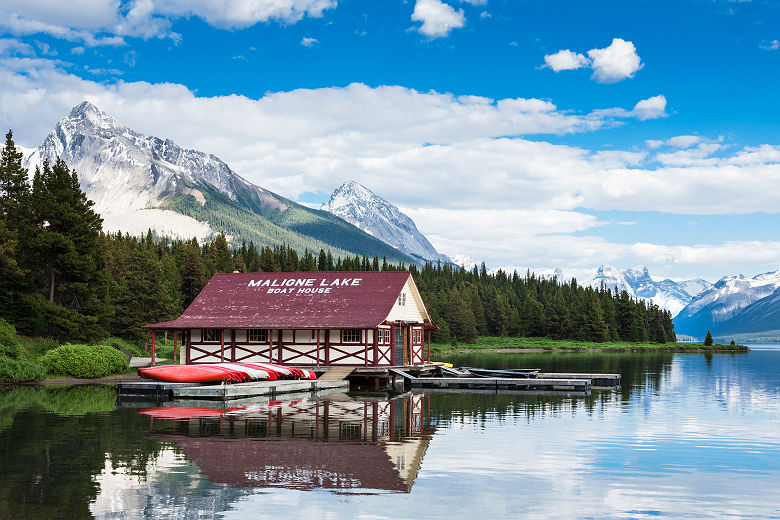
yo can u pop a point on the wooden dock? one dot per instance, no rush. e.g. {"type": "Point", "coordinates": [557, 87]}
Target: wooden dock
{"type": "Point", "coordinates": [160, 391]}
{"type": "Point", "coordinates": [500, 383]}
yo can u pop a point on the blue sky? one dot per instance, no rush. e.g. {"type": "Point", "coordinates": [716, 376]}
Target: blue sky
{"type": "Point", "coordinates": [534, 163]}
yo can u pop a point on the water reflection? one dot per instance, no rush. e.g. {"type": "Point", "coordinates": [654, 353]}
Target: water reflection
{"type": "Point", "coordinates": [337, 443]}
{"type": "Point", "coordinates": [686, 436]}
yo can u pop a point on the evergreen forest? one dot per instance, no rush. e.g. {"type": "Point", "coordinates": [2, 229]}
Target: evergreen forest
{"type": "Point", "coordinates": [62, 276]}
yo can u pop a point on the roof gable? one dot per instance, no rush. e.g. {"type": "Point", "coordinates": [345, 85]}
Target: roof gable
{"type": "Point", "coordinates": [332, 299]}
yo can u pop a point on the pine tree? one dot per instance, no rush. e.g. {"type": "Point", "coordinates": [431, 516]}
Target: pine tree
{"type": "Point", "coordinates": [14, 188]}
{"type": "Point", "coordinates": [65, 256]}
{"type": "Point", "coordinates": [193, 274]}
{"type": "Point", "coordinates": [708, 339]}
{"type": "Point", "coordinates": [223, 258]}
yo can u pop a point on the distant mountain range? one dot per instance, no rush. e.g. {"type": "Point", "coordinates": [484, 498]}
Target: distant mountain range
{"type": "Point", "coordinates": [139, 182]}
{"type": "Point", "coordinates": [668, 294]}
{"type": "Point", "coordinates": [734, 306]}
{"type": "Point", "coordinates": [368, 211]}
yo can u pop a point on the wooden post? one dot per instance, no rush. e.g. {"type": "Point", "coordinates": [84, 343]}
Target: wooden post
{"type": "Point", "coordinates": [221, 345]}
{"type": "Point", "coordinates": [318, 347]}
{"type": "Point", "coordinates": [233, 345]}
{"type": "Point", "coordinates": [175, 345]}
{"type": "Point", "coordinates": [392, 345]}
{"type": "Point", "coordinates": [153, 345]}
{"type": "Point", "coordinates": [365, 348]}
{"type": "Point", "coordinates": [187, 348]}
{"type": "Point", "coordinates": [429, 346]}
{"type": "Point", "coordinates": [279, 354]}
{"type": "Point", "coordinates": [327, 348]}
{"type": "Point", "coordinates": [376, 346]}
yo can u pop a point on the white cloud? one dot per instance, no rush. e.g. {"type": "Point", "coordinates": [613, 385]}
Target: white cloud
{"type": "Point", "coordinates": [438, 19]}
{"type": "Point", "coordinates": [684, 141]}
{"type": "Point", "coordinates": [77, 50]}
{"type": "Point", "coordinates": [236, 14]}
{"type": "Point", "coordinates": [307, 41]}
{"type": "Point", "coordinates": [769, 45]}
{"type": "Point", "coordinates": [616, 62]}
{"type": "Point", "coordinates": [14, 46]}
{"type": "Point", "coordinates": [565, 60]}
{"type": "Point", "coordinates": [108, 22]}
{"type": "Point", "coordinates": [447, 155]}
{"type": "Point", "coordinates": [610, 64]}
{"type": "Point", "coordinates": [650, 108]}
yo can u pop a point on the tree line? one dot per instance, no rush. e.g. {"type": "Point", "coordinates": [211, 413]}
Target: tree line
{"type": "Point", "coordinates": [62, 275]}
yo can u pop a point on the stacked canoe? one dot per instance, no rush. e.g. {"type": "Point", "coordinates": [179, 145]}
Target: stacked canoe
{"type": "Point", "coordinates": [224, 372]}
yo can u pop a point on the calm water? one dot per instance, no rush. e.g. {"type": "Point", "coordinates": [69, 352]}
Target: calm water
{"type": "Point", "coordinates": [686, 436]}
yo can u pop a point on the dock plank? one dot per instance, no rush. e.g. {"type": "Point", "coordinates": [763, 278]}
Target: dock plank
{"type": "Point", "coordinates": [254, 389]}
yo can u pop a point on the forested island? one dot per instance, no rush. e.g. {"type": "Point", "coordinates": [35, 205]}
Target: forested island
{"type": "Point", "coordinates": [62, 277]}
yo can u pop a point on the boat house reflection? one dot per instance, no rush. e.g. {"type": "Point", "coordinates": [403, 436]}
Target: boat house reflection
{"type": "Point", "coordinates": [336, 443]}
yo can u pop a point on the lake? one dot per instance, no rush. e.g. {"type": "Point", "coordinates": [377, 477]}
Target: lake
{"type": "Point", "coordinates": [685, 436]}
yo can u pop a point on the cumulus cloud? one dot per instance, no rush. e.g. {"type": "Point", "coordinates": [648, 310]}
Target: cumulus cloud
{"type": "Point", "coordinates": [450, 159]}
{"type": "Point", "coordinates": [650, 108]}
{"type": "Point", "coordinates": [611, 64]}
{"type": "Point", "coordinates": [566, 60]}
{"type": "Point", "coordinates": [769, 45]}
{"type": "Point", "coordinates": [616, 62]}
{"type": "Point", "coordinates": [307, 41]}
{"type": "Point", "coordinates": [107, 22]}
{"type": "Point", "coordinates": [14, 46]}
{"type": "Point", "coordinates": [438, 19]}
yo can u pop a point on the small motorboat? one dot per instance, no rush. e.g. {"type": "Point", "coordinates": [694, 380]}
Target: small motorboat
{"type": "Point", "coordinates": [223, 372]}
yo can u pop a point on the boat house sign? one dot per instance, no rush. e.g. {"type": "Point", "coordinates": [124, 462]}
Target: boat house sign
{"type": "Point", "coordinates": [303, 285]}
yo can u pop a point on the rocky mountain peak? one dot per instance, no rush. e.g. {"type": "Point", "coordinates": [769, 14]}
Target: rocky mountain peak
{"type": "Point", "coordinates": [368, 211]}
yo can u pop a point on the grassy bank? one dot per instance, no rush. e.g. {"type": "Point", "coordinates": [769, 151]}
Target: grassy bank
{"type": "Point", "coordinates": [492, 343]}
{"type": "Point", "coordinates": [24, 359]}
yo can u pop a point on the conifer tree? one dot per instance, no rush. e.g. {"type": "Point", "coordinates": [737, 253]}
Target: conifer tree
{"type": "Point", "coordinates": [14, 188]}
{"type": "Point", "coordinates": [223, 258]}
{"type": "Point", "coordinates": [708, 339]}
{"type": "Point", "coordinates": [193, 274]}
{"type": "Point", "coordinates": [64, 255]}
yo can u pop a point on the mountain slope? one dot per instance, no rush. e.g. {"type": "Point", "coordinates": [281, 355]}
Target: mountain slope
{"type": "Point", "coordinates": [721, 306]}
{"type": "Point", "coordinates": [360, 206]}
{"type": "Point", "coordinates": [134, 178]}
{"type": "Point", "coordinates": [760, 316]}
{"type": "Point", "coordinates": [638, 283]}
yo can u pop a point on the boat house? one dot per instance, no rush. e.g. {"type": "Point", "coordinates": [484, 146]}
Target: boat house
{"type": "Point", "coordinates": [365, 318]}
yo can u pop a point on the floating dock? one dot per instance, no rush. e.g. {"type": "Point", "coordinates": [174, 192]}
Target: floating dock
{"type": "Point", "coordinates": [397, 378]}
{"type": "Point", "coordinates": [160, 391]}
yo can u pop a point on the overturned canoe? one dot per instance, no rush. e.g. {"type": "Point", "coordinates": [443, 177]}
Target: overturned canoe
{"type": "Point", "coordinates": [218, 372]}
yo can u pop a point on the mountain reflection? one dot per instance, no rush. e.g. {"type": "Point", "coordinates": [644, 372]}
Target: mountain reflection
{"type": "Point", "coordinates": [338, 443]}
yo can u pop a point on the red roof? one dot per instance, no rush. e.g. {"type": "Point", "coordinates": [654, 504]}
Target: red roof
{"type": "Point", "coordinates": [334, 299]}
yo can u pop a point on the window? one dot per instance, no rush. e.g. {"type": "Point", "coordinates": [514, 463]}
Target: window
{"type": "Point", "coordinates": [417, 336]}
{"type": "Point", "coordinates": [258, 335]}
{"type": "Point", "coordinates": [209, 335]}
{"type": "Point", "coordinates": [351, 336]}
{"type": "Point", "coordinates": [383, 338]}
{"type": "Point", "coordinates": [402, 299]}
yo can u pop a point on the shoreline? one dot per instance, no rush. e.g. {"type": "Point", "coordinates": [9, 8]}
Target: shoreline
{"type": "Point", "coordinates": [575, 350]}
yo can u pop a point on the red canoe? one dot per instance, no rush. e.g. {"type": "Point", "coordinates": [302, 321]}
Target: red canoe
{"type": "Point", "coordinates": [185, 412]}
{"type": "Point", "coordinates": [218, 372]}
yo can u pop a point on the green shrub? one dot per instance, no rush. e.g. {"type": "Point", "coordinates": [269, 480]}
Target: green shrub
{"type": "Point", "coordinates": [85, 361]}
{"type": "Point", "coordinates": [123, 344]}
{"type": "Point", "coordinates": [19, 371]}
{"type": "Point", "coordinates": [9, 346]}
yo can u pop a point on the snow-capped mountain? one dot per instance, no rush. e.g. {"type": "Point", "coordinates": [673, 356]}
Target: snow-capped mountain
{"type": "Point", "coordinates": [368, 211]}
{"type": "Point", "coordinates": [724, 302]}
{"type": "Point", "coordinates": [139, 182]}
{"type": "Point", "coordinates": [465, 261]}
{"type": "Point", "coordinates": [127, 173]}
{"type": "Point", "coordinates": [637, 282]}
